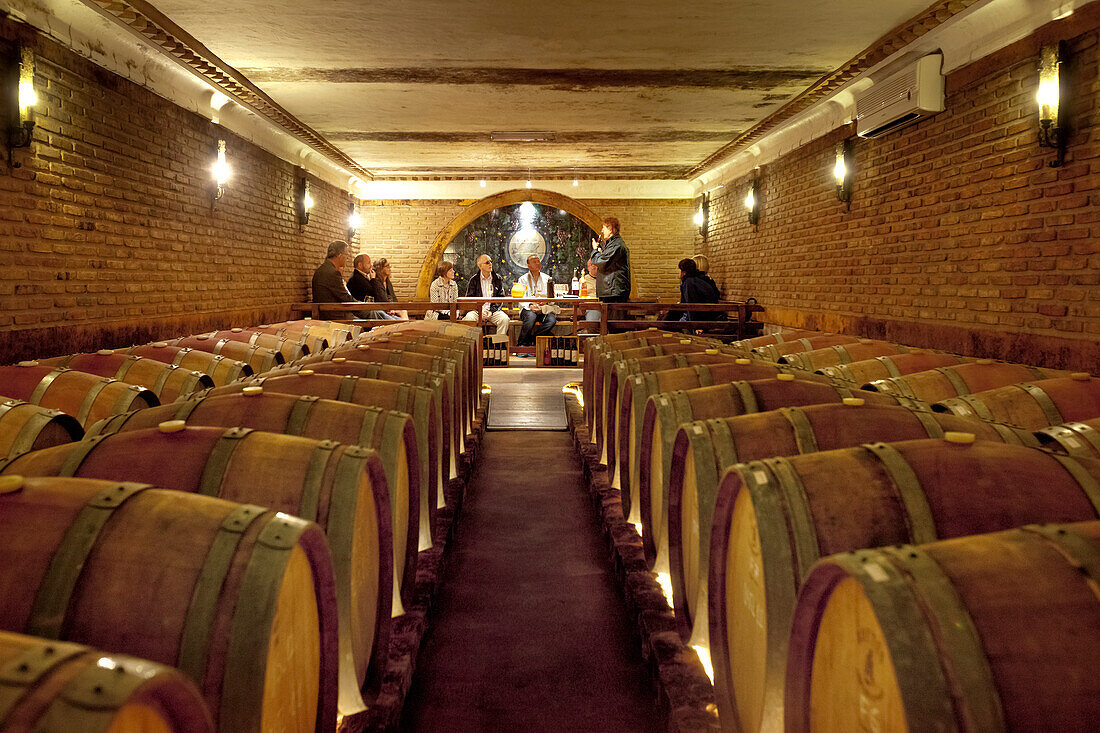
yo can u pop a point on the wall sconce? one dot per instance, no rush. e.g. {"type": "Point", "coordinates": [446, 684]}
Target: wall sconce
{"type": "Point", "coordinates": [752, 202]}
{"type": "Point", "coordinates": [702, 215]}
{"type": "Point", "coordinates": [353, 220]}
{"type": "Point", "coordinates": [1051, 132]}
{"type": "Point", "coordinates": [21, 124]}
{"type": "Point", "coordinates": [842, 172]}
{"type": "Point", "coordinates": [303, 203]}
{"type": "Point", "coordinates": [221, 172]}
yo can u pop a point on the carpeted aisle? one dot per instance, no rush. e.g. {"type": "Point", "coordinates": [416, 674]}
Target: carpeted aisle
{"type": "Point", "coordinates": [529, 632]}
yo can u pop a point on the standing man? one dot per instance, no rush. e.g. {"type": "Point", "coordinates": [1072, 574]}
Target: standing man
{"type": "Point", "coordinates": [610, 264]}
{"type": "Point", "coordinates": [487, 284]}
{"type": "Point", "coordinates": [536, 284]}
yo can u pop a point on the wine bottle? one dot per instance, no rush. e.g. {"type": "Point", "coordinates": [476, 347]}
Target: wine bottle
{"type": "Point", "coordinates": [546, 353]}
{"type": "Point", "coordinates": [575, 286]}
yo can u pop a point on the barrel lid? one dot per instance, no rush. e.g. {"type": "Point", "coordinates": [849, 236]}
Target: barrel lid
{"type": "Point", "coordinates": [1081, 376]}
{"type": "Point", "coordinates": [236, 330]}
{"type": "Point", "coordinates": [29, 363]}
{"type": "Point", "coordinates": [741, 360]}
{"type": "Point", "coordinates": [339, 359]}
{"type": "Point", "coordinates": [983, 361]}
{"type": "Point", "coordinates": [785, 377]}
{"type": "Point", "coordinates": [10, 484]}
{"type": "Point", "coordinates": [304, 373]}
{"type": "Point", "coordinates": [172, 426]}
{"type": "Point", "coordinates": [159, 344]}
{"type": "Point", "coordinates": [685, 341]}
{"type": "Point", "coordinates": [957, 437]}
{"type": "Point", "coordinates": [709, 351]}
{"type": "Point", "coordinates": [854, 401]}
{"type": "Point", "coordinates": [251, 391]}
{"type": "Point", "coordinates": [104, 352]}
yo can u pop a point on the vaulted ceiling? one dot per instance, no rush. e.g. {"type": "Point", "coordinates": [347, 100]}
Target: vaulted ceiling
{"type": "Point", "coordinates": [640, 89]}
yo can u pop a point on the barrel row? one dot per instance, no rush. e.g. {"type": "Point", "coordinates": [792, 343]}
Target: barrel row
{"type": "Point", "coordinates": [711, 572]}
{"type": "Point", "coordinates": [373, 531]}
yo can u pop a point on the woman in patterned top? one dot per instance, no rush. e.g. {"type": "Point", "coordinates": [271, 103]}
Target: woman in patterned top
{"type": "Point", "coordinates": [444, 289]}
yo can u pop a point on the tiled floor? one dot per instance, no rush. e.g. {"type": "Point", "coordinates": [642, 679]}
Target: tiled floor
{"type": "Point", "coordinates": [528, 397]}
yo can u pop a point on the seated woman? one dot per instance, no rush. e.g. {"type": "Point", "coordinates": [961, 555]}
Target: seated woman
{"type": "Point", "coordinates": [443, 289]}
{"type": "Point", "coordinates": [695, 287]}
{"type": "Point", "coordinates": [382, 287]}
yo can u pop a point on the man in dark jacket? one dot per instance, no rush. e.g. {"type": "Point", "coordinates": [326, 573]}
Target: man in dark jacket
{"type": "Point", "coordinates": [612, 261]}
{"type": "Point", "coordinates": [328, 282]}
{"type": "Point", "coordinates": [487, 284]}
{"type": "Point", "coordinates": [359, 284]}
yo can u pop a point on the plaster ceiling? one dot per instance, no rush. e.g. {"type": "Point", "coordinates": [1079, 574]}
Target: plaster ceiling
{"type": "Point", "coordinates": [641, 89]}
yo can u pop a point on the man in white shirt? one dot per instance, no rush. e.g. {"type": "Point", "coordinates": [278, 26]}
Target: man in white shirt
{"type": "Point", "coordinates": [487, 284]}
{"type": "Point", "coordinates": [538, 319]}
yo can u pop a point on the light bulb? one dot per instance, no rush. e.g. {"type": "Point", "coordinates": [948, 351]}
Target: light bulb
{"type": "Point", "coordinates": [221, 168]}
{"type": "Point", "coordinates": [27, 96]}
{"type": "Point", "coordinates": [699, 217]}
{"type": "Point", "coordinates": [354, 221]}
{"type": "Point", "coordinates": [840, 171]}
{"type": "Point", "coordinates": [750, 200]}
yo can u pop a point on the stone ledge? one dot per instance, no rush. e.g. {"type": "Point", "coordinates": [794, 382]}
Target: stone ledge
{"type": "Point", "coordinates": [685, 695]}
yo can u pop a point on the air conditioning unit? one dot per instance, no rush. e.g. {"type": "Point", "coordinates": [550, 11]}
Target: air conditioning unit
{"type": "Point", "coordinates": [902, 98]}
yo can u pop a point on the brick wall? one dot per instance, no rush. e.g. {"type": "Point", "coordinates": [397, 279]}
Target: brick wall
{"type": "Point", "coordinates": [657, 232]}
{"type": "Point", "coordinates": [107, 236]}
{"type": "Point", "coordinates": [960, 236]}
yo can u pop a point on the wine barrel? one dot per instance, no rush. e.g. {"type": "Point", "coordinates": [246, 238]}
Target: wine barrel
{"type": "Point", "coordinates": [444, 368]}
{"type": "Point", "coordinates": [779, 337]}
{"type": "Point", "coordinates": [842, 354]}
{"type": "Point", "coordinates": [774, 518]}
{"type": "Point", "coordinates": [239, 598]}
{"type": "Point", "coordinates": [257, 357]}
{"type": "Point", "coordinates": [807, 343]}
{"type": "Point", "coordinates": [895, 365]}
{"type": "Point", "coordinates": [1032, 405]}
{"type": "Point", "coordinates": [25, 427]}
{"type": "Point", "coordinates": [1073, 438]}
{"type": "Point", "coordinates": [936, 385]}
{"type": "Point", "coordinates": [664, 413]}
{"type": "Point", "coordinates": [292, 347]}
{"type": "Point", "coordinates": [612, 380]}
{"type": "Point", "coordinates": [704, 449]}
{"type": "Point", "coordinates": [625, 450]}
{"type": "Point", "coordinates": [441, 396]}
{"type": "Point", "coordinates": [51, 686]}
{"type": "Point", "coordinates": [87, 397]}
{"type": "Point", "coordinates": [341, 487]}
{"type": "Point", "coordinates": [169, 383]}
{"type": "Point", "coordinates": [317, 339]}
{"type": "Point", "coordinates": [394, 419]}
{"type": "Point", "coordinates": [996, 632]}
{"type": "Point", "coordinates": [218, 368]}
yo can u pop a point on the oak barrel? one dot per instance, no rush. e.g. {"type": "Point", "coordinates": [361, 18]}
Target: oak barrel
{"type": "Point", "coordinates": [168, 382]}
{"type": "Point", "coordinates": [87, 397]}
{"type": "Point", "coordinates": [317, 339]}
{"type": "Point", "coordinates": [807, 343]}
{"type": "Point", "coordinates": [291, 346]}
{"type": "Point", "coordinates": [25, 427]}
{"type": "Point", "coordinates": [774, 518]}
{"type": "Point", "coordinates": [842, 354]}
{"type": "Point", "coordinates": [1081, 438]}
{"type": "Point", "coordinates": [343, 488]}
{"type": "Point", "coordinates": [49, 686]}
{"type": "Point", "coordinates": [239, 598]}
{"type": "Point", "coordinates": [219, 368]}
{"type": "Point", "coordinates": [665, 412]}
{"type": "Point", "coordinates": [945, 382]}
{"type": "Point", "coordinates": [996, 632]}
{"type": "Point", "coordinates": [1032, 405]}
{"type": "Point", "coordinates": [895, 365]}
{"type": "Point", "coordinates": [259, 358]}
{"type": "Point", "coordinates": [779, 337]}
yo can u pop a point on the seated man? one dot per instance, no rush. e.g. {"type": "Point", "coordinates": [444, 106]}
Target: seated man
{"type": "Point", "coordinates": [487, 284]}
{"type": "Point", "coordinates": [328, 281]}
{"type": "Point", "coordinates": [361, 285]}
{"type": "Point", "coordinates": [538, 319]}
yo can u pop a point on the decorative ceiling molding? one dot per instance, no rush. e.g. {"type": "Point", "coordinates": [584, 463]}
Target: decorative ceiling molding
{"type": "Point", "coordinates": [879, 51]}
{"type": "Point", "coordinates": [142, 19]}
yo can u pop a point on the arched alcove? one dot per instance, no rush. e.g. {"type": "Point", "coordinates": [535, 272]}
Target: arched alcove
{"type": "Point", "coordinates": [488, 204]}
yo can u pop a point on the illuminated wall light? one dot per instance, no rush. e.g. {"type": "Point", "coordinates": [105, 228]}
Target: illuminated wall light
{"type": "Point", "coordinates": [354, 221]}
{"type": "Point", "coordinates": [752, 202]}
{"type": "Point", "coordinates": [304, 203]}
{"type": "Point", "coordinates": [21, 125]}
{"type": "Point", "coordinates": [702, 215]}
{"type": "Point", "coordinates": [1051, 132]}
{"type": "Point", "coordinates": [221, 172]}
{"type": "Point", "coordinates": [842, 173]}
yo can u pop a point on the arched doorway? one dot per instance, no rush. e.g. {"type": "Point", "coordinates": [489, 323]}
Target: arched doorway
{"type": "Point", "coordinates": [489, 204]}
